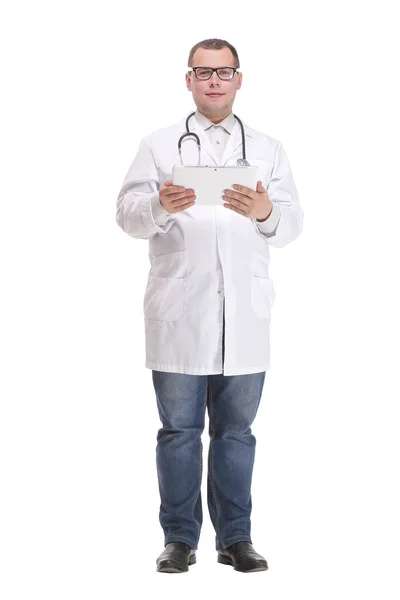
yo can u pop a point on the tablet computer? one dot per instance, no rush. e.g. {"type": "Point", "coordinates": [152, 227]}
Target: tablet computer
{"type": "Point", "coordinates": [209, 183]}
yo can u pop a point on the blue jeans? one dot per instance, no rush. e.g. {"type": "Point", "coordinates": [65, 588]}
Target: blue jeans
{"type": "Point", "coordinates": [232, 403]}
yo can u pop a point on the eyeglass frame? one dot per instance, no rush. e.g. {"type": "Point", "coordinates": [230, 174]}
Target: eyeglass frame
{"type": "Point", "coordinates": [212, 72]}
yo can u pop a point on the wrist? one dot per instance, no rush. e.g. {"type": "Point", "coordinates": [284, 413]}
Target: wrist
{"type": "Point", "coordinates": [262, 220]}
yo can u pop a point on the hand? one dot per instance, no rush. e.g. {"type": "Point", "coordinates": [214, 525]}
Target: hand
{"type": "Point", "coordinates": [253, 204]}
{"type": "Point", "coordinates": [175, 198]}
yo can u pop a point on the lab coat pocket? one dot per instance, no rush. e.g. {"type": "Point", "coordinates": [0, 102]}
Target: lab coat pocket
{"type": "Point", "coordinates": [169, 264]}
{"type": "Point", "coordinates": [164, 298]}
{"type": "Point", "coordinates": [262, 296]}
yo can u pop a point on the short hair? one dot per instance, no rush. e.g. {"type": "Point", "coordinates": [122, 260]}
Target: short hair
{"type": "Point", "coordinates": [214, 44]}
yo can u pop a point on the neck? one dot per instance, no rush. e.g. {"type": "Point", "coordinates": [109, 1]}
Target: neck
{"type": "Point", "coordinates": [216, 119]}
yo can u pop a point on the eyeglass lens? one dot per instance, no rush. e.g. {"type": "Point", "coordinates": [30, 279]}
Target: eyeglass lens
{"type": "Point", "coordinates": [222, 73]}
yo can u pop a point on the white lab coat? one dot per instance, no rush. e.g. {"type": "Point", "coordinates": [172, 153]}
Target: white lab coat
{"type": "Point", "coordinates": [204, 254]}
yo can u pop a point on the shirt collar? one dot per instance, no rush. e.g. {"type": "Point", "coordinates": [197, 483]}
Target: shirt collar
{"type": "Point", "coordinates": [204, 122]}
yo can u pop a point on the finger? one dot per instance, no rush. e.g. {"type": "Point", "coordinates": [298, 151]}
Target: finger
{"type": "Point", "coordinates": [242, 189]}
{"type": "Point", "coordinates": [181, 204]}
{"type": "Point", "coordinates": [236, 198]}
{"type": "Point", "coordinates": [175, 189]}
{"type": "Point", "coordinates": [185, 195]}
{"type": "Point", "coordinates": [232, 194]}
{"type": "Point", "coordinates": [243, 193]}
{"type": "Point", "coordinates": [239, 204]}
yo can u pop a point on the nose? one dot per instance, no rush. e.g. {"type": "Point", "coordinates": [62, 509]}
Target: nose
{"type": "Point", "coordinates": [214, 78]}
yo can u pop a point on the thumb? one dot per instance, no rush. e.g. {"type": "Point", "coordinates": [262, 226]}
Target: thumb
{"type": "Point", "coordinates": [168, 182]}
{"type": "Point", "coordinates": [260, 187]}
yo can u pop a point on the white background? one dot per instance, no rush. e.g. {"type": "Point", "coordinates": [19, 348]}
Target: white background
{"type": "Point", "coordinates": [83, 83]}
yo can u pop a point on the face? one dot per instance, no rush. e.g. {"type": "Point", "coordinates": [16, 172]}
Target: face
{"type": "Point", "coordinates": [218, 107]}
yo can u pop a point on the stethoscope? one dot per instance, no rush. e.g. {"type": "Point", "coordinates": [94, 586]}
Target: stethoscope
{"type": "Point", "coordinates": [241, 162]}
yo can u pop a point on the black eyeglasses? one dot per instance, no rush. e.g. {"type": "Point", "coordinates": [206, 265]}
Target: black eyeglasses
{"type": "Point", "coordinates": [205, 73]}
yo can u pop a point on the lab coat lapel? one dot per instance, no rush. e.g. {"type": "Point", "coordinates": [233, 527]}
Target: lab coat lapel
{"type": "Point", "coordinates": [234, 142]}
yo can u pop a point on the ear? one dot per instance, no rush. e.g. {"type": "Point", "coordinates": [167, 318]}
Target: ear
{"type": "Point", "coordinates": [188, 82]}
{"type": "Point", "coordinates": [239, 80]}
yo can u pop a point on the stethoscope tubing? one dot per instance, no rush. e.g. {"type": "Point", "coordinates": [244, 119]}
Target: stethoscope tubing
{"type": "Point", "coordinates": [243, 161]}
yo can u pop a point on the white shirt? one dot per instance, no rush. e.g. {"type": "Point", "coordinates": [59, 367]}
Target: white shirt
{"type": "Point", "coordinates": [217, 134]}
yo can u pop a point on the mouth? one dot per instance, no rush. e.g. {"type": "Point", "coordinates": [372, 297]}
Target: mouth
{"type": "Point", "coordinates": [214, 95]}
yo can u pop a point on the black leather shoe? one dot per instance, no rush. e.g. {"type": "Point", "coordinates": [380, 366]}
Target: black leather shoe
{"type": "Point", "coordinates": [176, 558]}
{"type": "Point", "coordinates": [242, 557]}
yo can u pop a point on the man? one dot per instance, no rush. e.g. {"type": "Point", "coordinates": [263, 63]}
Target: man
{"type": "Point", "coordinates": [207, 308]}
